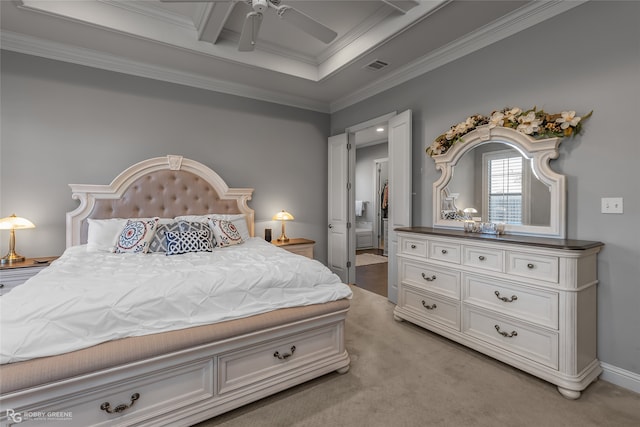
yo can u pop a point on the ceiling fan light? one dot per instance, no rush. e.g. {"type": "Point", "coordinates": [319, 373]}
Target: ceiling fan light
{"type": "Point", "coordinates": [259, 5]}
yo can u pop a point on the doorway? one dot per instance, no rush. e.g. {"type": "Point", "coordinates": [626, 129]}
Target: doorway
{"type": "Point", "coordinates": [341, 236]}
{"type": "Point", "coordinates": [371, 210]}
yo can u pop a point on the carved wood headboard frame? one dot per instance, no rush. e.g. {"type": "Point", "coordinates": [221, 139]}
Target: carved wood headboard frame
{"type": "Point", "coordinates": [162, 186]}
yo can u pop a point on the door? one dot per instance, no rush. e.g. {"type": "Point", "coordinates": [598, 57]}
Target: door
{"type": "Point", "coordinates": [340, 236]}
{"type": "Point", "coordinates": [400, 191]}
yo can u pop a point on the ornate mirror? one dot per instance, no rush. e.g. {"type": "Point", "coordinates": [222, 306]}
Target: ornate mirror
{"type": "Point", "coordinates": [502, 176]}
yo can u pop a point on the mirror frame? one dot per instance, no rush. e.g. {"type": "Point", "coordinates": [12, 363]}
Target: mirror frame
{"type": "Point", "coordinates": [542, 151]}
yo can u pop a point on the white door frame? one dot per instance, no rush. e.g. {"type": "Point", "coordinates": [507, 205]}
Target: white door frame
{"type": "Point", "coordinates": [403, 198]}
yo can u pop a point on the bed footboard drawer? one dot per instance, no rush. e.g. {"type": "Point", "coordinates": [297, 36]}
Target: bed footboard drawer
{"type": "Point", "coordinates": [264, 361]}
{"type": "Point", "coordinates": [123, 402]}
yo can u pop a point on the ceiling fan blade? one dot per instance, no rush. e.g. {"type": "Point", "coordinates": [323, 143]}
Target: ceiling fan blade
{"type": "Point", "coordinates": [306, 23]}
{"type": "Point", "coordinates": [250, 30]}
{"type": "Point", "coordinates": [197, 1]}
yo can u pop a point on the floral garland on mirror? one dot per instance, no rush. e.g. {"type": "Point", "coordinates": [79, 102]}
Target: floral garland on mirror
{"type": "Point", "coordinates": [536, 123]}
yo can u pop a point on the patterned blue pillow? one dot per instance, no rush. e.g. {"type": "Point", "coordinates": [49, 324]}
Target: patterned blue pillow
{"type": "Point", "coordinates": [188, 241]}
{"type": "Point", "coordinates": [136, 236]}
{"type": "Point", "coordinates": [197, 226]}
{"type": "Point", "coordinates": [159, 241]}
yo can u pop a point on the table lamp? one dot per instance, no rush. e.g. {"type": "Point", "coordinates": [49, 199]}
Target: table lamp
{"type": "Point", "coordinates": [13, 223]}
{"type": "Point", "coordinates": [468, 212]}
{"type": "Point", "coordinates": [283, 216]}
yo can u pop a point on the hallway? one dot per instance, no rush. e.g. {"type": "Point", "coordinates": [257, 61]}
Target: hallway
{"type": "Point", "coordinates": [372, 277]}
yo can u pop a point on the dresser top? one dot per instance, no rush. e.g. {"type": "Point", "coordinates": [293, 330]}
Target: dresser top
{"type": "Point", "coordinates": [545, 242]}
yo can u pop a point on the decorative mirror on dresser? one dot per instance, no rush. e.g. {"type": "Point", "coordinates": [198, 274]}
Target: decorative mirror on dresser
{"type": "Point", "coordinates": [500, 175]}
{"type": "Point", "coordinates": [512, 285]}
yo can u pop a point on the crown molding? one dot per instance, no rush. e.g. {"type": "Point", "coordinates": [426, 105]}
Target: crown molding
{"type": "Point", "coordinates": [151, 10]}
{"type": "Point", "coordinates": [513, 23]}
{"type": "Point", "coordinates": [61, 52]}
{"type": "Point", "coordinates": [510, 24]}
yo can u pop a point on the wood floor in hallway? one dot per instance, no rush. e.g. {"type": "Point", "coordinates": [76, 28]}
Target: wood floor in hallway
{"type": "Point", "coordinates": [372, 277]}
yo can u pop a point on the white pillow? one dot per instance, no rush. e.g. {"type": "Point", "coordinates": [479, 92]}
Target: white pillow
{"type": "Point", "coordinates": [103, 234]}
{"type": "Point", "coordinates": [239, 220]}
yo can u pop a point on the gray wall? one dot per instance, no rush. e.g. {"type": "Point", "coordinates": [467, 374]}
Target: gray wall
{"type": "Point", "coordinates": [585, 59]}
{"type": "Point", "coordinates": [65, 123]}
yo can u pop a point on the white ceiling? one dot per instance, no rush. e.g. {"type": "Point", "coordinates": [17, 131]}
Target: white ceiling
{"type": "Point", "coordinates": [195, 43]}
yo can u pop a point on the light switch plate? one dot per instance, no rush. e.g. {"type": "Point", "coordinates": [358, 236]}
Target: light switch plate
{"type": "Point", "coordinates": [611, 205]}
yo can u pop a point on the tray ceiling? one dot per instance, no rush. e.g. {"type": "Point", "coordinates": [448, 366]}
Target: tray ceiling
{"type": "Point", "coordinates": [196, 43]}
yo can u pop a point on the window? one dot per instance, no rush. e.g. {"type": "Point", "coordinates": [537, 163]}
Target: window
{"type": "Point", "coordinates": [505, 184]}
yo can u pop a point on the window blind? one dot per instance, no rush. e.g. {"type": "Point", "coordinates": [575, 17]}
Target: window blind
{"type": "Point", "coordinates": [505, 190]}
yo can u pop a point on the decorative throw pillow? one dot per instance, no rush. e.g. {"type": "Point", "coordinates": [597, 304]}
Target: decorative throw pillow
{"type": "Point", "coordinates": [159, 241]}
{"type": "Point", "coordinates": [188, 241]}
{"type": "Point", "coordinates": [136, 236]}
{"type": "Point", "coordinates": [225, 233]}
{"type": "Point", "coordinates": [239, 220]}
{"type": "Point", "coordinates": [197, 226]}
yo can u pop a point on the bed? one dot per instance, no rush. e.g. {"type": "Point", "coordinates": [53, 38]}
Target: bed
{"type": "Point", "coordinates": [184, 368]}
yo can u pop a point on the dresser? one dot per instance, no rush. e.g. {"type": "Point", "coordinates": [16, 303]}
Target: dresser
{"type": "Point", "coordinates": [12, 275]}
{"type": "Point", "coordinates": [527, 301]}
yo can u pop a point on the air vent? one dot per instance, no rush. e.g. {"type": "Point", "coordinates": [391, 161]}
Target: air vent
{"type": "Point", "coordinates": [376, 65]}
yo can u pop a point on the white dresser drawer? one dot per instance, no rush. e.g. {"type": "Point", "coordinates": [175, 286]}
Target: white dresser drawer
{"type": "Point", "coordinates": [488, 259]}
{"type": "Point", "coordinates": [436, 279]}
{"type": "Point", "coordinates": [525, 303]}
{"type": "Point", "coordinates": [534, 343]}
{"type": "Point", "coordinates": [533, 266]}
{"type": "Point", "coordinates": [430, 307]}
{"type": "Point", "coordinates": [257, 363]}
{"type": "Point", "coordinates": [416, 247]}
{"type": "Point", "coordinates": [444, 251]}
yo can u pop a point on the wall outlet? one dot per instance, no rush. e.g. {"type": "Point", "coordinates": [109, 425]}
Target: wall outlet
{"type": "Point", "coordinates": [611, 205]}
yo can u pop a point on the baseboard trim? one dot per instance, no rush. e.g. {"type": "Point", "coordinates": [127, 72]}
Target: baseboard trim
{"type": "Point", "coordinates": [620, 377]}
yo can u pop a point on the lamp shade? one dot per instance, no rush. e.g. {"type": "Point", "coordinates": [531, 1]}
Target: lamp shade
{"type": "Point", "coordinates": [282, 216]}
{"type": "Point", "coordinates": [14, 222]}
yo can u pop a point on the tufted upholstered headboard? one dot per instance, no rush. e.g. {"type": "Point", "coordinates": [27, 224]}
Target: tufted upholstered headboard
{"type": "Point", "coordinates": [163, 186]}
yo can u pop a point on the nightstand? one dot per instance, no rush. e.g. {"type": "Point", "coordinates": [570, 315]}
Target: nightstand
{"type": "Point", "coordinates": [302, 247]}
{"type": "Point", "coordinates": [12, 275]}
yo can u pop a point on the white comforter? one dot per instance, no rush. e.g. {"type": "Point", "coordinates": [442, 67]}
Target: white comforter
{"type": "Point", "coordinates": [85, 298]}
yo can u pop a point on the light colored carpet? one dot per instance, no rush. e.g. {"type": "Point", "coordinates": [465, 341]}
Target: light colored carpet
{"type": "Point", "coordinates": [404, 376]}
{"type": "Point", "coordinates": [368, 259]}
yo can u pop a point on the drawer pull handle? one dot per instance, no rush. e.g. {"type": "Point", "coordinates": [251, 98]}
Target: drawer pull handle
{"type": "Point", "coordinates": [1, 285]}
{"type": "Point", "coordinates": [481, 258]}
{"type": "Point", "coordinates": [530, 265]}
{"type": "Point", "coordinates": [505, 299]}
{"type": "Point", "coordinates": [429, 307]}
{"type": "Point", "coordinates": [285, 355]}
{"type": "Point", "coordinates": [506, 334]}
{"type": "Point", "coordinates": [428, 279]}
{"type": "Point", "coordinates": [106, 406]}
{"type": "Point", "coordinates": [444, 251]}
{"type": "Point", "coordinates": [413, 246]}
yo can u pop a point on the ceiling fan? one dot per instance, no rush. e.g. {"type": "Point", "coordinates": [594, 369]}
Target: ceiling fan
{"type": "Point", "coordinates": [253, 20]}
